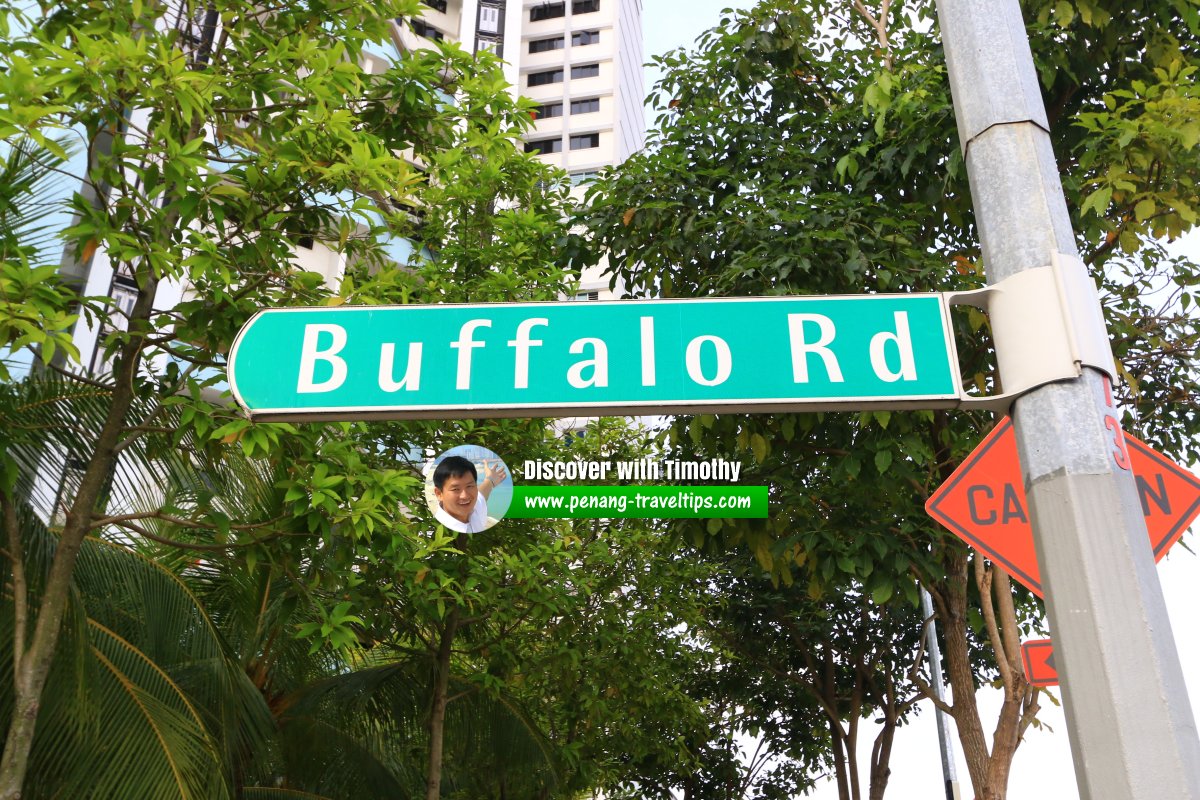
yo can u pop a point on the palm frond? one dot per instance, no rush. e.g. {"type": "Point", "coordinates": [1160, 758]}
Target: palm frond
{"type": "Point", "coordinates": [385, 709]}
{"type": "Point", "coordinates": [183, 678]}
{"type": "Point", "coordinates": [326, 757]}
{"type": "Point", "coordinates": [48, 427]}
{"type": "Point", "coordinates": [33, 192]}
{"type": "Point", "coordinates": [142, 699]}
{"type": "Point", "coordinates": [265, 793]}
{"type": "Point", "coordinates": [161, 745]}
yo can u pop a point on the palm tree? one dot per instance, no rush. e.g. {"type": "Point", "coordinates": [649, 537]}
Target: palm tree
{"type": "Point", "coordinates": [180, 676]}
{"type": "Point", "coordinates": [142, 699]}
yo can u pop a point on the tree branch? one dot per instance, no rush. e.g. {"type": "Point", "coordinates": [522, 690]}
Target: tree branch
{"type": "Point", "coordinates": [927, 690]}
{"type": "Point", "coordinates": [77, 377]}
{"type": "Point", "coordinates": [143, 427]}
{"type": "Point", "coordinates": [880, 26]}
{"type": "Point", "coordinates": [204, 548]}
{"type": "Point", "coordinates": [1007, 618]}
{"type": "Point", "coordinates": [983, 579]}
{"type": "Point", "coordinates": [99, 522]}
{"type": "Point", "coordinates": [1032, 707]}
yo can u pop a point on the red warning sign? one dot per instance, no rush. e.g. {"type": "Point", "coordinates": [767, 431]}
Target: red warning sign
{"type": "Point", "coordinates": [983, 502]}
{"type": "Point", "coordinates": [1038, 655]}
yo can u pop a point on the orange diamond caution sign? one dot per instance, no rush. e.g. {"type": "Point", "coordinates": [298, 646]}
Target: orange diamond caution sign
{"type": "Point", "coordinates": [1038, 655]}
{"type": "Point", "coordinates": [983, 502]}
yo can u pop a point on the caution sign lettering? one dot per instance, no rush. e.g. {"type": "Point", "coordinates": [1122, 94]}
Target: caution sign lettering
{"type": "Point", "coordinates": [984, 502]}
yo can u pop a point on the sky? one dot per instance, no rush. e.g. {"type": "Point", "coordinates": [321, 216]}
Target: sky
{"type": "Point", "coordinates": [1042, 767]}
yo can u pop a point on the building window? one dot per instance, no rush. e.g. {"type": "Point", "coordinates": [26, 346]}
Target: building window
{"type": "Point", "coordinates": [545, 45]}
{"type": "Point", "coordinates": [585, 6]}
{"type": "Point", "coordinates": [585, 37]}
{"type": "Point", "coordinates": [548, 110]}
{"type": "Point", "coordinates": [585, 71]}
{"type": "Point", "coordinates": [547, 11]}
{"type": "Point", "coordinates": [126, 298]}
{"type": "Point", "coordinates": [583, 177]}
{"type": "Point", "coordinates": [491, 19]}
{"type": "Point", "coordinates": [437, 5]}
{"type": "Point", "coordinates": [544, 146]}
{"type": "Point", "coordinates": [585, 141]}
{"type": "Point", "coordinates": [549, 76]}
{"type": "Point", "coordinates": [421, 28]}
{"type": "Point", "coordinates": [490, 44]}
{"type": "Point", "coordinates": [587, 106]}
{"type": "Point", "coordinates": [585, 296]}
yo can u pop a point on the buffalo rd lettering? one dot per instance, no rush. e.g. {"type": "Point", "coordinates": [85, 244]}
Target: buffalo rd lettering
{"type": "Point", "coordinates": [708, 359]}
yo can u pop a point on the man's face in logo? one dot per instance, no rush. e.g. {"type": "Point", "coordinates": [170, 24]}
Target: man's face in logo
{"type": "Point", "coordinates": [458, 495]}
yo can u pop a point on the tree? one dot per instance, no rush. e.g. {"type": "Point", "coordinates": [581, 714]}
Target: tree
{"type": "Point", "coordinates": [577, 620]}
{"type": "Point", "coordinates": [213, 138]}
{"type": "Point", "coordinates": [143, 697]}
{"type": "Point", "coordinates": [417, 639]}
{"type": "Point", "coordinates": [37, 313]}
{"type": "Point", "coordinates": [183, 676]}
{"type": "Point", "coordinates": [832, 662]}
{"type": "Point", "coordinates": [810, 148]}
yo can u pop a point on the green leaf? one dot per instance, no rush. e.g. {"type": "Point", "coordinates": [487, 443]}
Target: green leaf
{"type": "Point", "coordinates": [1064, 13]}
{"type": "Point", "coordinates": [1097, 201]}
{"type": "Point", "coordinates": [852, 466]}
{"type": "Point", "coordinates": [758, 444]}
{"type": "Point", "coordinates": [1144, 209]}
{"type": "Point", "coordinates": [882, 594]}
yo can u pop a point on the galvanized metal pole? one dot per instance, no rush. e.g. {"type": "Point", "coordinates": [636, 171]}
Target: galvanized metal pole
{"type": "Point", "coordinates": [1131, 725]}
{"type": "Point", "coordinates": [945, 740]}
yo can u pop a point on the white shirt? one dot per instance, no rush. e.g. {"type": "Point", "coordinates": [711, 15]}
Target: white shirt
{"type": "Point", "coordinates": [478, 521]}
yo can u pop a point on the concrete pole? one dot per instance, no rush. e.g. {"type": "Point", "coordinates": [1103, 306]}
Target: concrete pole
{"type": "Point", "coordinates": [1131, 726]}
{"type": "Point", "coordinates": [936, 682]}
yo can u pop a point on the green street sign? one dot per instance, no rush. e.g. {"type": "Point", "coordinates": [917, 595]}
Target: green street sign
{"type": "Point", "coordinates": [619, 357]}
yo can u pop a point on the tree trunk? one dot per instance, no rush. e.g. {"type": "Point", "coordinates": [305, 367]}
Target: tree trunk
{"type": "Point", "coordinates": [836, 734]}
{"type": "Point", "coordinates": [839, 760]}
{"type": "Point", "coordinates": [31, 664]}
{"type": "Point", "coordinates": [1020, 702]}
{"type": "Point", "coordinates": [989, 768]}
{"type": "Point", "coordinates": [16, 555]}
{"type": "Point", "coordinates": [437, 713]}
{"type": "Point", "coordinates": [960, 674]}
{"type": "Point", "coordinates": [989, 771]}
{"type": "Point", "coordinates": [852, 745]}
{"type": "Point", "coordinates": [881, 750]}
{"type": "Point", "coordinates": [881, 755]}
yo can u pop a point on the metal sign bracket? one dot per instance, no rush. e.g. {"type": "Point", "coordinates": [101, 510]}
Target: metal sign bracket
{"type": "Point", "coordinates": [1046, 325]}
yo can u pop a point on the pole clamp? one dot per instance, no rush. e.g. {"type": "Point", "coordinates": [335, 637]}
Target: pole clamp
{"type": "Point", "coordinates": [1047, 326]}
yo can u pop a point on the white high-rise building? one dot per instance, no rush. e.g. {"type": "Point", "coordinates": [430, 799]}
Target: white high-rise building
{"type": "Point", "coordinates": [579, 60]}
{"type": "Point", "coordinates": [582, 62]}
